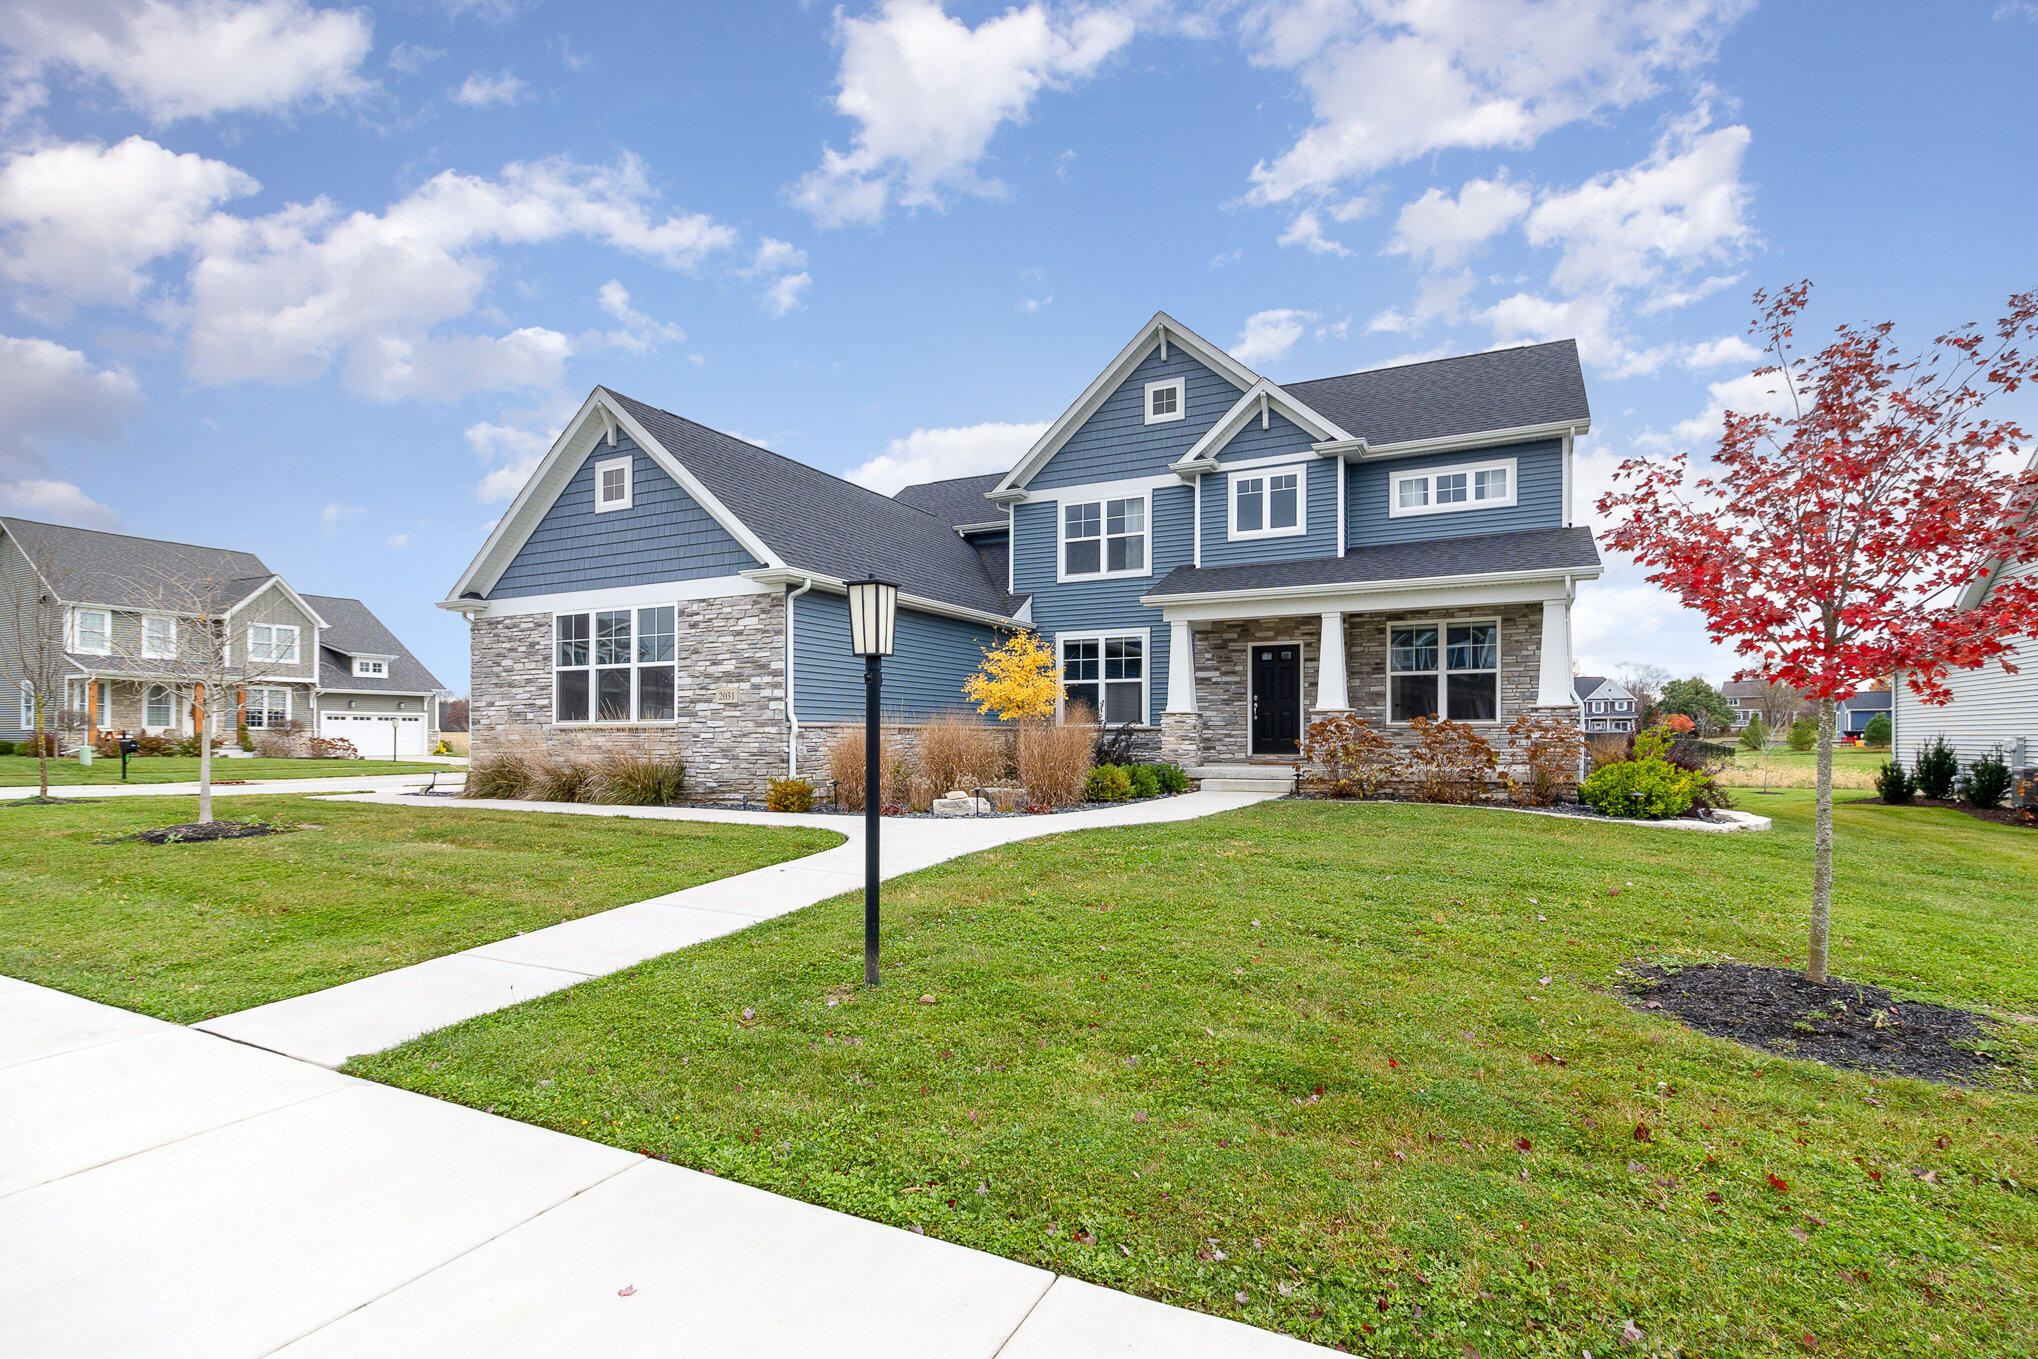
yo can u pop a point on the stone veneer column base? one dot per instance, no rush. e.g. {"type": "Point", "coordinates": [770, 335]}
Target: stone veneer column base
{"type": "Point", "coordinates": [1182, 738]}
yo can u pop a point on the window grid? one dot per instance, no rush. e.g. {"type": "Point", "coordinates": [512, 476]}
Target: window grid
{"type": "Point", "coordinates": [1104, 538]}
{"type": "Point", "coordinates": [1440, 490]}
{"type": "Point", "coordinates": [1448, 670]}
{"type": "Point", "coordinates": [615, 665]}
{"type": "Point", "coordinates": [1107, 673]}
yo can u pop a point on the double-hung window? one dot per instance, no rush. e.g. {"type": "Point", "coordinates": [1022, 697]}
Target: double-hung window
{"type": "Point", "coordinates": [1103, 538]}
{"type": "Point", "coordinates": [92, 632]}
{"type": "Point", "coordinates": [27, 706]}
{"type": "Point", "coordinates": [159, 637]}
{"type": "Point", "coordinates": [612, 484]}
{"type": "Point", "coordinates": [157, 706]}
{"type": "Point", "coordinates": [268, 707]}
{"type": "Point", "coordinates": [1267, 504]}
{"type": "Point", "coordinates": [614, 665]}
{"type": "Point", "coordinates": [1441, 490]}
{"type": "Point", "coordinates": [273, 643]}
{"type": "Point", "coordinates": [1449, 670]}
{"type": "Point", "coordinates": [1107, 674]}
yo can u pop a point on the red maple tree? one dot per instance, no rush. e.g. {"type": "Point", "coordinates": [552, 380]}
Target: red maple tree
{"type": "Point", "coordinates": [1829, 544]}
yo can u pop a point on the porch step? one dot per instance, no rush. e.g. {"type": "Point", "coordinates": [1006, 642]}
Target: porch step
{"type": "Point", "coordinates": [1278, 779]}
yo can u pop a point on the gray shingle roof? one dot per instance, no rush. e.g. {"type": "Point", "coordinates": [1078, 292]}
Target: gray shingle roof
{"type": "Point", "coordinates": [1501, 389]}
{"type": "Point", "coordinates": [90, 566]}
{"type": "Point", "coordinates": [959, 500]}
{"type": "Point", "coordinates": [1560, 549]}
{"type": "Point", "coordinates": [821, 523]}
{"type": "Point", "coordinates": [352, 629]}
{"type": "Point", "coordinates": [1583, 685]}
{"type": "Point", "coordinates": [1868, 701]}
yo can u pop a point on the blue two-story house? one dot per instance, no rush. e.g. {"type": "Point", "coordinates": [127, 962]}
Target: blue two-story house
{"type": "Point", "coordinates": [1218, 560]}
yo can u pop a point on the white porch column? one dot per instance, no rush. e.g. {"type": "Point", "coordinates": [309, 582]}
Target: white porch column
{"type": "Point", "coordinates": [1553, 688]}
{"type": "Point", "coordinates": [1181, 668]}
{"type": "Point", "coordinates": [1330, 665]}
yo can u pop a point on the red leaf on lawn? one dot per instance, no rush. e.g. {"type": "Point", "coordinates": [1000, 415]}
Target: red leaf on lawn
{"type": "Point", "coordinates": [1383, 1304]}
{"type": "Point", "coordinates": [626, 1290]}
{"type": "Point", "coordinates": [1642, 1133]}
{"type": "Point", "coordinates": [1391, 1062]}
{"type": "Point", "coordinates": [1780, 1186]}
{"type": "Point", "coordinates": [1086, 1238]}
{"type": "Point", "coordinates": [1810, 1341]}
{"type": "Point", "coordinates": [1713, 1196]}
{"type": "Point", "coordinates": [1875, 1175]}
{"type": "Point", "coordinates": [1522, 1144]}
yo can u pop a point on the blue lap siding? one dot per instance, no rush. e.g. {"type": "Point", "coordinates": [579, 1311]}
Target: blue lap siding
{"type": "Point", "coordinates": [1116, 442]}
{"type": "Point", "coordinates": [664, 535]}
{"type": "Point", "coordinates": [923, 677]}
{"type": "Point", "coordinates": [1539, 498]}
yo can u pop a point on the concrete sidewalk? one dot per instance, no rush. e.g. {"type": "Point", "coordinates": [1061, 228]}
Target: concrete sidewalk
{"type": "Point", "coordinates": [381, 1011]}
{"type": "Point", "coordinates": [337, 783]}
{"type": "Point", "coordinates": [165, 1192]}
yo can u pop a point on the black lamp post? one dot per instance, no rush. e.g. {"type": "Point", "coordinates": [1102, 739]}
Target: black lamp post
{"type": "Point", "coordinates": [873, 619]}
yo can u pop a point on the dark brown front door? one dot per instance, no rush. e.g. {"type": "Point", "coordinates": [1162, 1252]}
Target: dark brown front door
{"type": "Point", "coordinates": [1277, 699]}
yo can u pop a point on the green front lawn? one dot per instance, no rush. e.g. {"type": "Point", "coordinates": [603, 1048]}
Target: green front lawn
{"type": "Point", "coordinates": [1362, 1073]}
{"type": "Point", "coordinates": [19, 771]}
{"type": "Point", "coordinates": [188, 931]}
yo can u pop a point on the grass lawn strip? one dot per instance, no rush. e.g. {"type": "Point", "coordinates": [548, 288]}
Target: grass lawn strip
{"type": "Point", "coordinates": [19, 771]}
{"type": "Point", "coordinates": [189, 931]}
{"type": "Point", "coordinates": [1853, 767]}
{"type": "Point", "coordinates": [1368, 1074]}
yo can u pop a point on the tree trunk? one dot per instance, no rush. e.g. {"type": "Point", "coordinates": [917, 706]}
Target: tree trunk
{"type": "Point", "coordinates": [1822, 849]}
{"type": "Point", "coordinates": [42, 754]}
{"type": "Point", "coordinates": [204, 763]}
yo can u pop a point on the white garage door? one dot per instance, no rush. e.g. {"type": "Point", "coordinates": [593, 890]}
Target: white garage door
{"type": "Point", "coordinates": [378, 736]}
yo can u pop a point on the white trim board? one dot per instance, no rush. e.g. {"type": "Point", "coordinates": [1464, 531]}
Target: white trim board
{"type": "Point", "coordinates": [1256, 401]}
{"type": "Point", "coordinates": [620, 596]}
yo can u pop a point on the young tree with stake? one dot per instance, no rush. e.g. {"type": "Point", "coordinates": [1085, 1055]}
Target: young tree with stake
{"type": "Point", "coordinates": [1827, 544]}
{"type": "Point", "coordinates": [34, 661]}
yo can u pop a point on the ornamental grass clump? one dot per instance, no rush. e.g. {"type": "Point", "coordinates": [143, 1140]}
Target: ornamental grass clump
{"type": "Point", "coordinates": [845, 767]}
{"type": "Point", "coordinates": [502, 769]}
{"type": "Point", "coordinates": [1053, 758]}
{"type": "Point", "coordinates": [961, 752]}
{"type": "Point", "coordinates": [632, 777]}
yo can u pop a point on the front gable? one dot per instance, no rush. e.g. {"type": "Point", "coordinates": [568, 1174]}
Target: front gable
{"type": "Point", "coordinates": [1117, 442]}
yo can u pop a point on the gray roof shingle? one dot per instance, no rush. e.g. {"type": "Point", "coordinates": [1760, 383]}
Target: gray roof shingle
{"type": "Point", "coordinates": [959, 500]}
{"type": "Point", "coordinates": [91, 566]}
{"type": "Point", "coordinates": [821, 523]}
{"type": "Point", "coordinates": [1559, 549]}
{"type": "Point", "coordinates": [1500, 389]}
{"type": "Point", "coordinates": [352, 629]}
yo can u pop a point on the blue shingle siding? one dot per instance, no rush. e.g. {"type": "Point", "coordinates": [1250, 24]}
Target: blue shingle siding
{"type": "Point", "coordinates": [1319, 509]}
{"type": "Point", "coordinates": [1539, 498]}
{"type": "Point", "coordinates": [923, 677]}
{"type": "Point", "coordinates": [1115, 442]}
{"type": "Point", "coordinates": [664, 535]}
{"type": "Point", "coordinates": [1105, 605]}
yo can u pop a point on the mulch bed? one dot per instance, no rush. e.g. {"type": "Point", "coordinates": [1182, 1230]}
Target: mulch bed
{"type": "Point", "coordinates": [2026, 817]}
{"type": "Point", "coordinates": [36, 800]}
{"type": "Point", "coordinates": [197, 832]}
{"type": "Point", "coordinates": [1841, 1023]}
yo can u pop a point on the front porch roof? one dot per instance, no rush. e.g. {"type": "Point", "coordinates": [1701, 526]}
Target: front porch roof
{"type": "Point", "coordinates": [1437, 561]}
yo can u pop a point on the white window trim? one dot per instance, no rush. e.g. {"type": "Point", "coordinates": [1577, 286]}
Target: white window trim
{"type": "Point", "coordinates": [154, 655]}
{"type": "Point", "coordinates": [78, 633]}
{"type": "Point", "coordinates": [1443, 641]}
{"type": "Point", "coordinates": [593, 697]}
{"type": "Point", "coordinates": [1395, 509]}
{"type": "Point", "coordinates": [272, 658]}
{"type": "Point", "coordinates": [628, 465]}
{"type": "Point", "coordinates": [1235, 479]}
{"type": "Point", "coordinates": [289, 700]}
{"type": "Point", "coordinates": [365, 668]}
{"type": "Point", "coordinates": [1145, 636]}
{"type": "Point", "coordinates": [170, 697]}
{"type": "Point", "coordinates": [1061, 535]}
{"type": "Point", "coordinates": [27, 706]}
{"type": "Point", "coordinates": [1181, 409]}
{"type": "Point", "coordinates": [1301, 687]}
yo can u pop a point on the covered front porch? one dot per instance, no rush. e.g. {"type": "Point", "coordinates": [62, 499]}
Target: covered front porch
{"type": "Point", "coordinates": [96, 704]}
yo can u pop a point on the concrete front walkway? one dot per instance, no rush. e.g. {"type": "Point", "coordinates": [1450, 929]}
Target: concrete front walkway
{"type": "Point", "coordinates": [164, 1192]}
{"type": "Point", "coordinates": [379, 1012]}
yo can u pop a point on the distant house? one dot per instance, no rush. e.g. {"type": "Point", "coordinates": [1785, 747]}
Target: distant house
{"type": "Point", "coordinates": [1604, 705]}
{"type": "Point", "coordinates": [1854, 714]}
{"type": "Point", "coordinates": [1745, 698]}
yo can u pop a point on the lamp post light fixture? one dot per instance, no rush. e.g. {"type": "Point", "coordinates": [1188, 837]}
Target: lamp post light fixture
{"type": "Point", "coordinates": [873, 622]}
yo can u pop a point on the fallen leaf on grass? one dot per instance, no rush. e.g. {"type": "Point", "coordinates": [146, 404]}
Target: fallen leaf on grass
{"type": "Point", "coordinates": [1630, 1334]}
{"type": "Point", "coordinates": [1781, 1186]}
{"type": "Point", "coordinates": [1713, 1196]}
{"type": "Point", "coordinates": [1522, 1144]}
{"type": "Point", "coordinates": [1642, 1133]}
{"type": "Point", "coordinates": [626, 1290]}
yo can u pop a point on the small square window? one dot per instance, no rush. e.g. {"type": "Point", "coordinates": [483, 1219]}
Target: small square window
{"type": "Point", "coordinates": [612, 478]}
{"type": "Point", "coordinates": [1164, 401]}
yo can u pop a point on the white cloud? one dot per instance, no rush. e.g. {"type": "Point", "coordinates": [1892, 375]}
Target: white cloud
{"type": "Point", "coordinates": [1748, 394]}
{"type": "Point", "coordinates": [1441, 232]}
{"type": "Point", "coordinates": [48, 391]}
{"type": "Point", "coordinates": [196, 58]}
{"type": "Point", "coordinates": [409, 58]}
{"type": "Point", "coordinates": [335, 514]}
{"type": "Point", "coordinates": [956, 451]}
{"type": "Point", "coordinates": [512, 454]}
{"type": "Point", "coordinates": [1390, 82]}
{"type": "Point", "coordinates": [785, 292]}
{"type": "Point", "coordinates": [488, 89]}
{"type": "Point", "coordinates": [1269, 335]}
{"type": "Point", "coordinates": [641, 333]}
{"type": "Point", "coordinates": [1725, 351]}
{"type": "Point", "coordinates": [55, 501]}
{"type": "Point", "coordinates": [928, 92]}
{"type": "Point", "coordinates": [1306, 230]}
{"type": "Point", "coordinates": [398, 540]}
{"type": "Point", "coordinates": [1032, 306]}
{"type": "Point", "coordinates": [82, 222]}
{"type": "Point", "coordinates": [783, 266]}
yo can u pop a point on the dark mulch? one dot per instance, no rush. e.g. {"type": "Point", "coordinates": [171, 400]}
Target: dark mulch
{"type": "Point", "coordinates": [2027, 817]}
{"type": "Point", "coordinates": [1840, 1023]}
{"type": "Point", "coordinates": [36, 800]}
{"type": "Point", "coordinates": [196, 832]}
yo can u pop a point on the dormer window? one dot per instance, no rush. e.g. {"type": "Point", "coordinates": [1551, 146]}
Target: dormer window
{"type": "Point", "coordinates": [1441, 490]}
{"type": "Point", "coordinates": [612, 484]}
{"type": "Point", "coordinates": [364, 668]}
{"type": "Point", "coordinates": [1164, 401]}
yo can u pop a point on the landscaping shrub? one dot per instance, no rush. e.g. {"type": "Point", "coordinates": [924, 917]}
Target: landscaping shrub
{"type": "Point", "coordinates": [1548, 749]}
{"type": "Point", "coordinates": [331, 748]}
{"type": "Point", "coordinates": [1173, 781]}
{"type": "Point", "coordinates": [1755, 735]}
{"type": "Point", "coordinates": [1451, 762]}
{"type": "Point", "coordinates": [271, 745]}
{"type": "Point", "coordinates": [790, 795]}
{"type": "Point", "coordinates": [621, 776]}
{"type": "Point", "coordinates": [1146, 780]}
{"type": "Point", "coordinates": [1053, 758]}
{"type": "Point", "coordinates": [1878, 730]}
{"type": "Point", "coordinates": [244, 738]}
{"type": "Point", "coordinates": [1343, 756]}
{"type": "Point", "coordinates": [1804, 734]}
{"type": "Point", "coordinates": [845, 767]}
{"type": "Point", "coordinates": [1935, 770]}
{"type": "Point", "coordinates": [7, 747]}
{"type": "Point", "coordinates": [551, 777]}
{"type": "Point", "coordinates": [961, 752]}
{"type": "Point", "coordinates": [1987, 781]}
{"type": "Point", "coordinates": [1649, 789]}
{"type": "Point", "coordinates": [1892, 784]}
{"type": "Point", "coordinates": [1107, 783]}
{"type": "Point", "coordinates": [494, 774]}
{"type": "Point", "coordinates": [1703, 760]}
{"type": "Point", "coordinates": [1114, 744]}
{"type": "Point", "coordinates": [1608, 748]}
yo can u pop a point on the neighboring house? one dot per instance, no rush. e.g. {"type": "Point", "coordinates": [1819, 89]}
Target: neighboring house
{"type": "Point", "coordinates": [1604, 705]}
{"type": "Point", "coordinates": [1852, 715]}
{"type": "Point", "coordinates": [1744, 696]}
{"type": "Point", "coordinates": [1218, 560]}
{"type": "Point", "coordinates": [324, 662]}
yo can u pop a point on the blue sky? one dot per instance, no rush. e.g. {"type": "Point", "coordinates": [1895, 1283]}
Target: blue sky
{"type": "Point", "coordinates": [321, 281]}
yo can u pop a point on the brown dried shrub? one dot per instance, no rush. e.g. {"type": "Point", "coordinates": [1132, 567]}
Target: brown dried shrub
{"type": "Point", "coordinates": [845, 768]}
{"type": "Point", "coordinates": [1548, 748]}
{"type": "Point", "coordinates": [1451, 762]}
{"type": "Point", "coordinates": [957, 751]}
{"type": "Point", "coordinates": [1053, 758]}
{"type": "Point", "coordinates": [1345, 757]}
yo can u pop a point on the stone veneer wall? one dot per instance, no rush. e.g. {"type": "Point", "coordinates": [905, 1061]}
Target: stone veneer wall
{"type": "Point", "coordinates": [731, 692]}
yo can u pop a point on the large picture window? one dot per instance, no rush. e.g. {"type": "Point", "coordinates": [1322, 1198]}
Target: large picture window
{"type": "Point", "coordinates": [615, 665]}
{"type": "Point", "coordinates": [1108, 674]}
{"type": "Point", "coordinates": [268, 707]}
{"type": "Point", "coordinates": [1449, 670]}
{"type": "Point", "coordinates": [1103, 538]}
